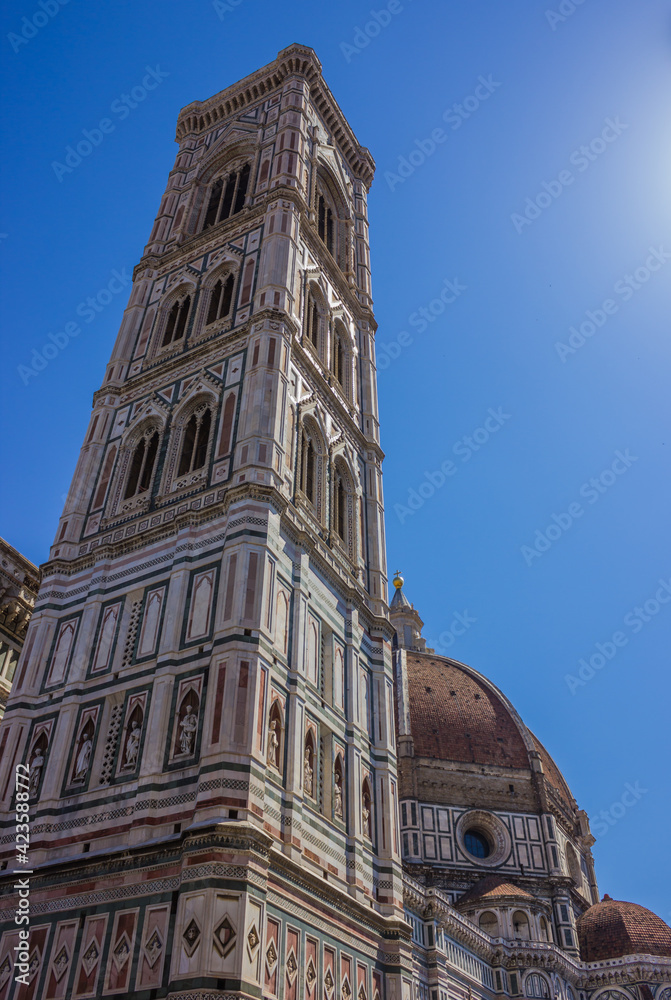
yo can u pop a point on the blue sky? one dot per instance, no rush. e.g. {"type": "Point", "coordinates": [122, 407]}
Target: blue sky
{"type": "Point", "coordinates": [535, 234]}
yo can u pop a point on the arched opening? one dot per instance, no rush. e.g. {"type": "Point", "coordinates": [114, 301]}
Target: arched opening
{"type": "Point", "coordinates": [338, 357]}
{"type": "Point", "coordinates": [227, 196]}
{"type": "Point", "coordinates": [313, 322]}
{"type": "Point", "coordinates": [340, 505]}
{"type": "Point", "coordinates": [536, 986]}
{"type": "Point", "coordinates": [274, 750]}
{"type": "Point", "coordinates": [195, 441]}
{"type": "Point", "coordinates": [177, 318]}
{"type": "Point", "coordinates": [220, 299]}
{"type": "Point", "coordinates": [339, 789]}
{"type": "Point", "coordinates": [545, 930]}
{"type": "Point", "coordinates": [309, 783]}
{"type": "Point", "coordinates": [142, 464]}
{"type": "Point", "coordinates": [186, 729]}
{"type": "Point", "coordinates": [308, 467]}
{"type": "Point", "coordinates": [489, 923]}
{"type": "Point", "coordinates": [325, 223]}
{"type": "Point", "coordinates": [366, 810]}
{"type": "Point", "coordinates": [521, 926]}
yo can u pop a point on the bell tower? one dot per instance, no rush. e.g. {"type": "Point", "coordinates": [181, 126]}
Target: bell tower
{"type": "Point", "coordinates": [204, 701]}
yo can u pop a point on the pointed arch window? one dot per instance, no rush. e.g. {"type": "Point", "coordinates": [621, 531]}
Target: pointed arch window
{"type": "Point", "coordinates": [340, 507]}
{"type": "Point", "coordinates": [142, 465]}
{"type": "Point", "coordinates": [325, 223]}
{"type": "Point", "coordinates": [227, 196]}
{"type": "Point", "coordinates": [313, 322]}
{"type": "Point", "coordinates": [195, 441]}
{"type": "Point", "coordinates": [308, 467]}
{"type": "Point", "coordinates": [177, 319]}
{"type": "Point", "coordinates": [338, 361]}
{"type": "Point", "coordinates": [221, 299]}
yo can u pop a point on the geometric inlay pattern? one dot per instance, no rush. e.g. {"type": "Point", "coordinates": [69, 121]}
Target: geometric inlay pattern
{"type": "Point", "coordinates": [191, 937]}
{"type": "Point", "coordinates": [153, 948]}
{"type": "Point", "coordinates": [224, 936]}
{"type": "Point", "coordinates": [90, 958]}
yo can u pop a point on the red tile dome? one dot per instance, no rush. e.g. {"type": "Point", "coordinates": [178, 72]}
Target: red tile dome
{"type": "Point", "coordinates": [457, 714]}
{"type": "Point", "coordinates": [613, 929]}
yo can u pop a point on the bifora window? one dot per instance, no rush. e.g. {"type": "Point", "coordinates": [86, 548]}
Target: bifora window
{"type": "Point", "coordinates": [220, 303]}
{"type": "Point", "coordinates": [477, 844]}
{"type": "Point", "coordinates": [177, 317]}
{"type": "Point", "coordinates": [142, 465]}
{"type": "Point", "coordinates": [227, 197]}
{"type": "Point", "coordinates": [196, 438]}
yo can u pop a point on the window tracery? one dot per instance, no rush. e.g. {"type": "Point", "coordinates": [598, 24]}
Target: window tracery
{"type": "Point", "coordinates": [227, 196]}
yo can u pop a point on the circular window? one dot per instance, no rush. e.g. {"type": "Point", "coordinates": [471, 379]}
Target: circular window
{"type": "Point", "coordinates": [477, 844]}
{"type": "Point", "coordinates": [484, 839]}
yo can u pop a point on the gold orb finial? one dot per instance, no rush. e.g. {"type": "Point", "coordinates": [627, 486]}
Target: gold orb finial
{"type": "Point", "coordinates": [398, 580]}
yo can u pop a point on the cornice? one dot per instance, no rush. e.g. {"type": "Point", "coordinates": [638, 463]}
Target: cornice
{"type": "Point", "coordinates": [295, 60]}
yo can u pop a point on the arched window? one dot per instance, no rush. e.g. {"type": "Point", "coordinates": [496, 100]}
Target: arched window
{"type": "Point", "coordinates": [545, 930]}
{"type": "Point", "coordinates": [274, 750]}
{"type": "Point", "coordinates": [536, 986]}
{"type": "Point", "coordinates": [195, 441]}
{"type": "Point", "coordinates": [308, 466]}
{"type": "Point", "coordinates": [366, 806]}
{"type": "Point", "coordinates": [489, 924]}
{"type": "Point", "coordinates": [325, 223]}
{"type": "Point", "coordinates": [227, 196]}
{"type": "Point", "coordinates": [221, 299]}
{"type": "Point", "coordinates": [312, 328]}
{"type": "Point", "coordinates": [521, 929]}
{"type": "Point", "coordinates": [340, 507]}
{"type": "Point", "coordinates": [142, 465]}
{"type": "Point", "coordinates": [177, 318]}
{"type": "Point", "coordinates": [338, 358]}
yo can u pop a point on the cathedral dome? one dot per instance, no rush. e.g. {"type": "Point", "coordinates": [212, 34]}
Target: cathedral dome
{"type": "Point", "coordinates": [613, 929]}
{"type": "Point", "coordinates": [457, 715]}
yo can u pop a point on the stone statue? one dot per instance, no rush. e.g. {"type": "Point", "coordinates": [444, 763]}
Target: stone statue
{"type": "Point", "coordinates": [366, 817]}
{"type": "Point", "coordinates": [188, 726]}
{"type": "Point", "coordinates": [273, 744]}
{"type": "Point", "coordinates": [36, 766]}
{"type": "Point", "coordinates": [132, 747]}
{"type": "Point", "coordinates": [83, 759]}
{"type": "Point", "coordinates": [308, 773]}
{"type": "Point", "coordinates": [337, 793]}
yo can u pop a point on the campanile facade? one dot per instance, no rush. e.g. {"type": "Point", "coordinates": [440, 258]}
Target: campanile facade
{"type": "Point", "coordinates": [204, 701]}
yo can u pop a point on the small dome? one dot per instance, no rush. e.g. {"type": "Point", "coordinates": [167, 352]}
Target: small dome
{"type": "Point", "coordinates": [494, 887]}
{"type": "Point", "coordinates": [613, 929]}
